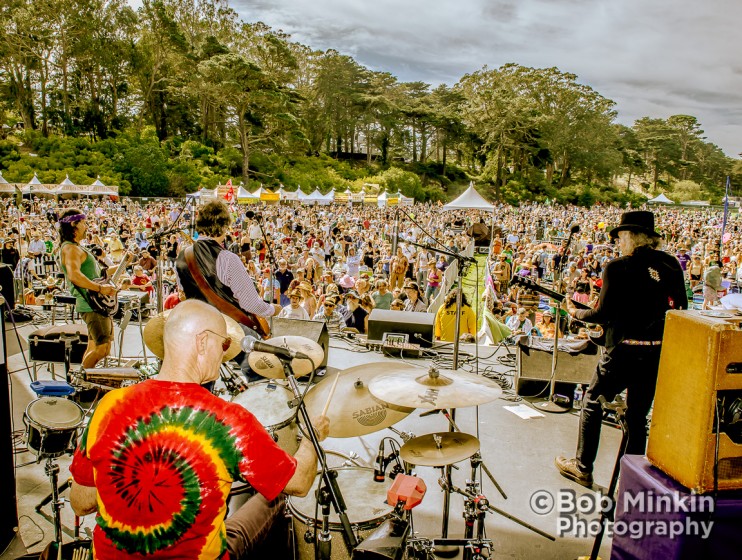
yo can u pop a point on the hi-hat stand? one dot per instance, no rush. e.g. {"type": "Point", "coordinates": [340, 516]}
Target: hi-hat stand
{"type": "Point", "coordinates": [329, 485]}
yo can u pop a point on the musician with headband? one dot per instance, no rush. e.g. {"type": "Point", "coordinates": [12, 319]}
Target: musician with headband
{"type": "Point", "coordinates": [158, 459]}
{"type": "Point", "coordinates": [80, 268]}
{"type": "Point", "coordinates": [211, 273]}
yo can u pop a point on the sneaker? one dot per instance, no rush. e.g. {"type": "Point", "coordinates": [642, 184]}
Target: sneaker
{"type": "Point", "coordinates": [569, 468]}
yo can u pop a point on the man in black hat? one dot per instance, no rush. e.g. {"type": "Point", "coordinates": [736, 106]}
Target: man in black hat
{"type": "Point", "coordinates": [638, 289]}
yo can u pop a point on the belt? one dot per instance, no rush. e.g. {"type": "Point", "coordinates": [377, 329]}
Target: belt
{"type": "Point", "coordinates": [630, 342]}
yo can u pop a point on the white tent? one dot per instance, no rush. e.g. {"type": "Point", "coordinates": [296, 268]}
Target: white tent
{"type": "Point", "coordinates": [329, 197]}
{"type": "Point", "coordinates": [406, 200]}
{"type": "Point", "coordinates": [470, 199]}
{"type": "Point", "coordinates": [244, 195]}
{"type": "Point", "coordinates": [68, 187]}
{"type": "Point", "coordinates": [289, 195]}
{"type": "Point", "coordinates": [301, 195]}
{"type": "Point", "coordinates": [207, 194]}
{"type": "Point", "coordinates": [36, 187]}
{"type": "Point", "coordinates": [5, 187]}
{"type": "Point", "coordinates": [661, 199]}
{"type": "Point", "coordinates": [316, 197]}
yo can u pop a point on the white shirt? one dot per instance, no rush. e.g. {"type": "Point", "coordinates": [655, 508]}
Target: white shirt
{"type": "Point", "coordinates": [289, 312]}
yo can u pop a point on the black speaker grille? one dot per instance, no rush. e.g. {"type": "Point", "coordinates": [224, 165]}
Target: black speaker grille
{"type": "Point", "coordinates": [730, 468]}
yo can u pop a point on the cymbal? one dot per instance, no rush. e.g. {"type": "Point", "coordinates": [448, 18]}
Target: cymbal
{"type": "Point", "coordinates": [419, 388]}
{"type": "Point", "coordinates": [353, 410]}
{"type": "Point", "coordinates": [155, 327]}
{"type": "Point", "coordinates": [437, 450]}
{"type": "Point", "coordinates": [271, 367]}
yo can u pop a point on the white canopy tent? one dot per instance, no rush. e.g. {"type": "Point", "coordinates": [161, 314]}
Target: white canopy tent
{"type": "Point", "coordinates": [5, 187]}
{"type": "Point", "coordinates": [470, 199]}
{"type": "Point", "coordinates": [316, 198]}
{"type": "Point", "coordinates": [243, 195]}
{"type": "Point", "coordinates": [661, 199]}
{"type": "Point", "coordinates": [288, 195]}
{"type": "Point", "coordinates": [207, 194]}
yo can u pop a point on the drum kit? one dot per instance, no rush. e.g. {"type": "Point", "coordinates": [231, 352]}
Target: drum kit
{"type": "Point", "coordinates": [358, 401]}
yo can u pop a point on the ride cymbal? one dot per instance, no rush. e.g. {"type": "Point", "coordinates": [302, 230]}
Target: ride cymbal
{"type": "Point", "coordinates": [353, 410]}
{"type": "Point", "coordinates": [155, 328]}
{"type": "Point", "coordinates": [271, 367]}
{"type": "Point", "coordinates": [419, 388]}
{"type": "Point", "coordinates": [438, 450]}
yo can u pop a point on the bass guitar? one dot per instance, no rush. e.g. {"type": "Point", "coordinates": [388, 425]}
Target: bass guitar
{"type": "Point", "coordinates": [595, 332]}
{"type": "Point", "coordinates": [108, 305]}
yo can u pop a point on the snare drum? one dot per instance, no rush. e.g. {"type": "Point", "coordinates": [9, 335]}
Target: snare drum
{"type": "Point", "coordinates": [51, 426]}
{"type": "Point", "coordinates": [268, 402]}
{"type": "Point", "coordinates": [367, 509]}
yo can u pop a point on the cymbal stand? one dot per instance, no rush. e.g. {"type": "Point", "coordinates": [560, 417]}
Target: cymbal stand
{"type": "Point", "coordinates": [329, 477]}
{"type": "Point", "coordinates": [481, 503]}
{"type": "Point", "coordinates": [52, 471]}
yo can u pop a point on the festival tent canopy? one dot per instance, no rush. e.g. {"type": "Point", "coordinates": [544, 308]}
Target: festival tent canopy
{"type": "Point", "coordinates": [469, 200]}
{"type": "Point", "coordinates": [329, 197]}
{"type": "Point", "coordinates": [343, 197]}
{"type": "Point", "coordinates": [207, 194]}
{"type": "Point", "coordinates": [243, 195]}
{"type": "Point", "coordinates": [36, 187]}
{"type": "Point", "coordinates": [316, 197]}
{"type": "Point", "coordinates": [288, 195]}
{"type": "Point", "coordinates": [661, 199]}
{"type": "Point", "coordinates": [5, 187]}
{"type": "Point", "coordinates": [407, 200]}
{"type": "Point", "coordinates": [264, 195]}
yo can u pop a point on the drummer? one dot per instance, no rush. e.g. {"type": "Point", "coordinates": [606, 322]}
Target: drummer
{"type": "Point", "coordinates": [169, 476]}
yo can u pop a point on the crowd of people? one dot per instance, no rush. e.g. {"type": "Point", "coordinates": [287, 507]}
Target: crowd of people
{"type": "Point", "coordinates": [302, 257]}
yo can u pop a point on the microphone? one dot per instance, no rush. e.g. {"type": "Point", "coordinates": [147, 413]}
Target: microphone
{"type": "Point", "coordinates": [252, 344]}
{"type": "Point", "coordinates": [250, 215]}
{"type": "Point", "coordinates": [379, 474]}
{"type": "Point", "coordinates": [574, 229]}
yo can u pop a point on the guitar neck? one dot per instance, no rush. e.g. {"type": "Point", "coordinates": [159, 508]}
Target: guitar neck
{"type": "Point", "coordinates": [533, 286]}
{"type": "Point", "coordinates": [127, 258]}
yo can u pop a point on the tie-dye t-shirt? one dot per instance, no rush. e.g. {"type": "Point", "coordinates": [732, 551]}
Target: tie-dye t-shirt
{"type": "Point", "coordinates": [162, 456]}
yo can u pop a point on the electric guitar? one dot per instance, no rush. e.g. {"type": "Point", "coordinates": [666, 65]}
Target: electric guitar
{"type": "Point", "coordinates": [595, 332]}
{"type": "Point", "coordinates": [108, 305]}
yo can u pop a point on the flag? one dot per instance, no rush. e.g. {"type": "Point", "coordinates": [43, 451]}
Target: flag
{"type": "Point", "coordinates": [726, 213]}
{"type": "Point", "coordinates": [229, 197]}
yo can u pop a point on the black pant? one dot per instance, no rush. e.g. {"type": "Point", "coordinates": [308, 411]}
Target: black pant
{"type": "Point", "coordinates": [624, 367]}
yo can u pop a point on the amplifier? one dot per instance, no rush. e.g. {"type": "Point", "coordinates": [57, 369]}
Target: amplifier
{"type": "Point", "coordinates": [699, 381]}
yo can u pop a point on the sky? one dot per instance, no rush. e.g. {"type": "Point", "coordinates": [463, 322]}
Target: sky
{"type": "Point", "coordinates": [654, 58]}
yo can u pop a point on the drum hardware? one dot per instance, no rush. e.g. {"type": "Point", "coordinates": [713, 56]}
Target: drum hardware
{"type": "Point", "coordinates": [269, 365]}
{"type": "Point", "coordinates": [405, 436]}
{"type": "Point", "coordinates": [51, 431]}
{"type": "Point", "coordinates": [233, 382]}
{"type": "Point", "coordinates": [333, 490]}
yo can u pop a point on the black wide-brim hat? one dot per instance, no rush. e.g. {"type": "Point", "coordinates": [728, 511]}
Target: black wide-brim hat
{"type": "Point", "coordinates": [640, 221]}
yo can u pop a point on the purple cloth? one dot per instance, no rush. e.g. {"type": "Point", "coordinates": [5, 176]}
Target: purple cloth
{"type": "Point", "coordinates": [639, 477]}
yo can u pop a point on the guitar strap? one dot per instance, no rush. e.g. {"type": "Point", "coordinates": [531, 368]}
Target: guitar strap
{"type": "Point", "coordinates": [211, 296]}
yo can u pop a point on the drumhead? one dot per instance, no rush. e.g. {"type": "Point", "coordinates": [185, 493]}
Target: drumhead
{"type": "Point", "coordinates": [55, 413]}
{"type": "Point", "coordinates": [268, 402]}
{"type": "Point", "coordinates": [364, 498]}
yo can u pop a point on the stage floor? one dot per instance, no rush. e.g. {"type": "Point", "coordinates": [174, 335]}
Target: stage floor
{"type": "Point", "coordinates": [519, 453]}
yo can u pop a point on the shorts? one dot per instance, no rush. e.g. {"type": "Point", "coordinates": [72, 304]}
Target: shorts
{"type": "Point", "coordinates": [696, 277]}
{"type": "Point", "coordinates": [100, 328]}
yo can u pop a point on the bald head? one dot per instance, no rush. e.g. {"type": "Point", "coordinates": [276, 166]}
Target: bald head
{"type": "Point", "coordinates": [192, 344]}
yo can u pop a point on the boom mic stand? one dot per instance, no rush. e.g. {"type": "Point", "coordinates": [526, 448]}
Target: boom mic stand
{"type": "Point", "coordinates": [329, 477]}
{"type": "Point", "coordinates": [269, 254]}
{"type": "Point", "coordinates": [549, 405]}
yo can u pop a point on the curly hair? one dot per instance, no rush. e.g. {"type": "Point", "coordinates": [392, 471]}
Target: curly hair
{"type": "Point", "coordinates": [67, 230]}
{"type": "Point", "coordinates": [213, 219]}
{"type": "Point", "coordinates": [451, 299]}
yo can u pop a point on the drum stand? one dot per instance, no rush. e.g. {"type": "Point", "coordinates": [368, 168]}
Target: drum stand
{"type": "Point", "coordinates": [329, 477]}
{"type": "Point", "coordinates": [52, 471]}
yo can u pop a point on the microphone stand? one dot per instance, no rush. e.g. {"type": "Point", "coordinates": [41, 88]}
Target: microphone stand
{"type": "Point", "coordinates": [549, 405]}
{"type": "Point", "coordinates": [329, 477]}
{"type": "Point", "coordinates": [157, 240]}
{"type": "Point", "coordinates": [271, 261]}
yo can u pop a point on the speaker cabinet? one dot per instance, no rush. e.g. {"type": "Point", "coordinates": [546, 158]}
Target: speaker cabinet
{"type": "Point", "coordinates": [417, 324]}
{"type": "Point", "coordinates": [313, 330]}
{"type": "Point", "coordinates": [700, 373]}
{"type": "Point", "coordinates": [534, 356]}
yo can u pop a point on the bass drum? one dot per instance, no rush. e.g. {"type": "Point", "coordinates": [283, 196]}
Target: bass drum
{"type": "Point", "coordinates": [367, 509]}
{"type": "Point", "coordinates": [51, 426]}
{"type": "Point", "coordinates": [268, 401]}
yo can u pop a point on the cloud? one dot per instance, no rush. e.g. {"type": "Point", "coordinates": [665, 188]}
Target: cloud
{"type": "Point", "coordinates": [652, 57]}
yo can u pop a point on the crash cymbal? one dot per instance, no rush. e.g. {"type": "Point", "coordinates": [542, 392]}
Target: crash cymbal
{"type": "Point", "coordinates": [353, 410]}
{"type": "Point", "coordinates": [271, 367]}
{"type": "Point", "coordinates": [437, 450]}
{"type": "Point", "coordinates": [420, 388]}
{"type": "Point", "coordinates": [156, 325]}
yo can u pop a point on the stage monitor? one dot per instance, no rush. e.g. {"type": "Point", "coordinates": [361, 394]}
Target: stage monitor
{"type": "Point", "coordinates": [418, 325]}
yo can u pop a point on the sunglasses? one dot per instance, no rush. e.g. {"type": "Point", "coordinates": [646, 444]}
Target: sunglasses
{"type": "Point", "coordinates": [329, 305]}
{"type": "Point", "coordinates": [226, 341]}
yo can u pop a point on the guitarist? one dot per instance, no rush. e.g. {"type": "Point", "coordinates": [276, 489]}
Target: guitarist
{"type": "Point", "coordinates": [638, 289]}
{"type": "Point", "coordinates": [80, 268]}
{"type": "Point", "coordinates": [222, 270]}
